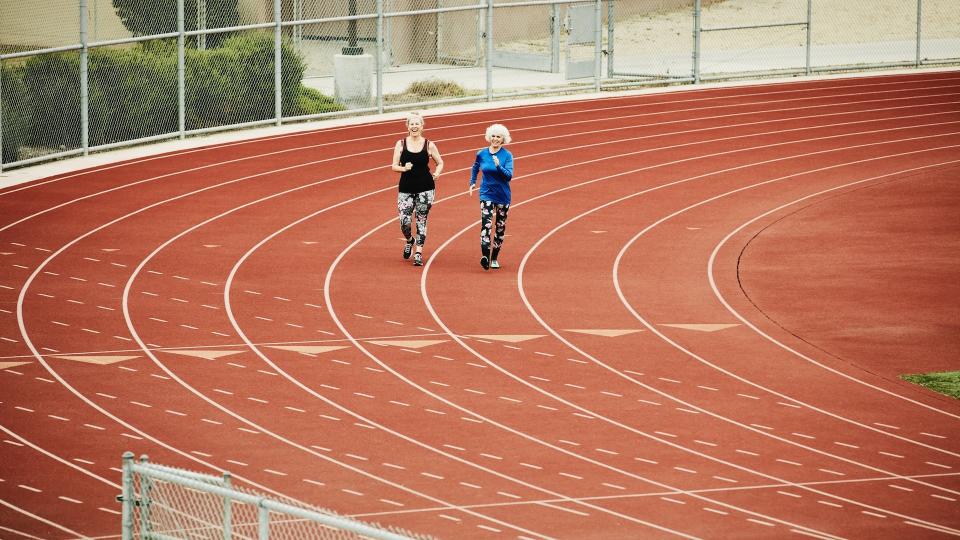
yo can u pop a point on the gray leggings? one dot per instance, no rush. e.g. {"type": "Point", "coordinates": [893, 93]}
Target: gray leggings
{"type": "Point", "coordinates": [407, 203]}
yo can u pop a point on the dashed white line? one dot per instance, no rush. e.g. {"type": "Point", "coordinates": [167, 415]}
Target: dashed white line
{"type": "Point", "coordinates": [901, 488]}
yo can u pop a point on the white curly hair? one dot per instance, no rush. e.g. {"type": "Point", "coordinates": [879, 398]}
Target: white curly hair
{"type": "Point", "coordinates": [498, 129]}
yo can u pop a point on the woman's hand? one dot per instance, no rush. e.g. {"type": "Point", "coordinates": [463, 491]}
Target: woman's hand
{"type": "Point", "coordinates": [496, 160]}
{"type": "Point", "coordinates": [408, 166]}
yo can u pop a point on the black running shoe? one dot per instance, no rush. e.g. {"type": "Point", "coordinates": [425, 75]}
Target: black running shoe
{"type": "Point", "coordinates": [407, 249]}
{"type": "Point", "coordinates": [485, 262]}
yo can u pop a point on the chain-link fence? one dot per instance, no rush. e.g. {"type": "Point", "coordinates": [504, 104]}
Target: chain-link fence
{"type": "Point", "coordinates": [82, 75]}
{"type": "Point", "coordinates": [167, 503]}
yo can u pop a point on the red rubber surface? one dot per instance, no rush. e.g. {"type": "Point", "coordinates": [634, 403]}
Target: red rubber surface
{"type": "Point", "coordinates": [705, 302]}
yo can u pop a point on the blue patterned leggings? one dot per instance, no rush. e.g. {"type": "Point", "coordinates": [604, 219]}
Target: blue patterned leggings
{"type": "Point", "coordinates": [407, 203]}
{"type": "Point", "coordinates": [486, 224]}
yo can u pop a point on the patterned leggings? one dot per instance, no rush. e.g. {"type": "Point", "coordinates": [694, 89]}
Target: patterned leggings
{"type": "Point", "coordinates": [406, 204]}
{"type": "Point", "coordinates": [486, 223]}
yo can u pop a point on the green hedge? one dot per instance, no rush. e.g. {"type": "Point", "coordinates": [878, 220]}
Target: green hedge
{"type": "Point", "coordinates": [133, 92]}
{"type": "Point", "coordinates": [17, 110]}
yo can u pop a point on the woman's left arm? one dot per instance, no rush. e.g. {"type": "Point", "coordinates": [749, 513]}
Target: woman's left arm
{"type": "Point", "coordinates": [506, 166]}
{"type": "Point", "coordinates": [435, 154]}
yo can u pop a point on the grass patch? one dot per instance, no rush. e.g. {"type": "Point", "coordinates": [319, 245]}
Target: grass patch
{"type": "Point", "coordinates": [436, 88]}
{"type": "Point", "coordinates": [429, 90]}
{"type": "Point", "coordinates": [947, 382]}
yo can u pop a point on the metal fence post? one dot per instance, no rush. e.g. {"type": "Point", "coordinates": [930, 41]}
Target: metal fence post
{"type": "Point", "coordinates": [696, 42]}
{"type": "Point", "coordinates": [126, 532]}
{"type": "Point", "coordinates": [263, 516]}
{"type": "Point", "coordinates": [181, 72]}
{"type": "Point", "coordinates": [1, 115]}
{"type": "Point", "coordinates": [597, 45]}
{"type": "Point", "coordinates": [610, 18]}
{"type": "Point", "coordinates": [84, 83]}
{"type": "Point", "coordinates": [489, 50]}
{"type": "Point", "coordinates": [809, 33]}
{"type": "Point", "coordinates": [277, 61]}
{"type": "Point", "coordinates": [379, 62]}
{"type": "Point", "coordinates": [227, 510]}
{"type": "Point", "coordinates": [919, 29]}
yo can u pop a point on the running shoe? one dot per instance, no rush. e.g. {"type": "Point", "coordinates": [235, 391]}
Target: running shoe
{"type": "Point", "coordinates": [485, 262]}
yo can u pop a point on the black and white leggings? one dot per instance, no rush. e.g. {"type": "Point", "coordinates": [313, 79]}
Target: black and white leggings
{"type": "Point", "coordinates": [407, 203]}
{"type": "Point", "coordinates": [487, 209]}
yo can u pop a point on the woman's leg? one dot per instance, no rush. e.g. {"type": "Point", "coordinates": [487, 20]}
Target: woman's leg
{"type": "Point", "coordinates": [486, 222]}
{"type": "Point", "coordinates": [424, 202]}
{"type": "Point", "coordinates": [501, 229]}
{"type": "Point", "coordinates": [405, 207]}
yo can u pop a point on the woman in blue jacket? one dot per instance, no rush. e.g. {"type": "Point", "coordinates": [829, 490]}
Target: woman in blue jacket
{"type": "Point", "coordinates": [496, 164]}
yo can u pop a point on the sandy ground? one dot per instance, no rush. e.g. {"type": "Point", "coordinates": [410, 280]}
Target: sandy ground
{"type": "Point", "coordinates": [832, 22]}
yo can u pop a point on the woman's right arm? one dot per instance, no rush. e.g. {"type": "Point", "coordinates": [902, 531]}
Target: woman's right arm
{"type": "Point", "coordinates": [395, 165]}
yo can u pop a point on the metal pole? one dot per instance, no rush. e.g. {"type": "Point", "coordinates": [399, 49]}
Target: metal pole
{"type": "Point", "coordinates": [379, 61]}
{"type": "Point", "coordinates": [181, 72]}
{"type": "Point", "coordinates": [610, 27]}
{"type": "Point", "coordinates": [352, 48]}
{"type": "Point", "coordinates": [555, 38]}
{"type": "Point", "coordinates": [696, 41]}
{"type": "Point", "coordinates": [264, 519]}
{"type": "Point", "coordinates": [597, 45]}
{"type": "Point", "coordinates": [489, 50]}
{"type": "Point", "coordinates": [84, 83]}
{"type": "Point", "coordinates": [126, 520]}
{"type": "Point", "coordinates": [919, 29]}
{"type": "Point", "coordinates": [1, 115]}
{"type": "Point", "coordinates": [227, 510]}
{"type": "Point", "coordinates": [809, 32]}
{"type": "Point", "coordinates": [201, 24]}
{"type": "Point", "coordinates": [277, 62]}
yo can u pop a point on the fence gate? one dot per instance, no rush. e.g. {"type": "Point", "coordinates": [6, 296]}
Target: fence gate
{"type": "Point", "coordinates": [509, 30]}
{"type": "Point", "coordinates": [581, 39]}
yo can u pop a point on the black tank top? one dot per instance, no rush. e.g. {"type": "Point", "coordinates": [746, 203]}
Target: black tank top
{"type": "Point", "coordinates": [418, 179]}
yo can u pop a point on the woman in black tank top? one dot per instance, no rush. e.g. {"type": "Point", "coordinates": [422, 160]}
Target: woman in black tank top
{"type": "Point", "coordinates": [411, 158]}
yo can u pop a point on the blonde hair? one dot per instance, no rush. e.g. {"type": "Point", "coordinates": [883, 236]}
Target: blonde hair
{"type": "Point", "coordinates": [498, 129]}
{"type": "Point", "coordinates": [415, 116]}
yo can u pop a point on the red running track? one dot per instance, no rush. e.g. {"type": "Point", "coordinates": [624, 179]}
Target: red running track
{"type": "Point", "coordinates": [706, 299]}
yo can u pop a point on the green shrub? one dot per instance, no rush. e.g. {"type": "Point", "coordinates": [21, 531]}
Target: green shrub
{"type": "Point", "coordinates": [133, 91]}
{"type": "Point", "coordinates": [151, 17]}
{"type": "Point", "coordinates": [53, 87]}
{"type": "Point", "coordinates": [312, 101]}
{"type": "Point", "coordinates": [17, 111]}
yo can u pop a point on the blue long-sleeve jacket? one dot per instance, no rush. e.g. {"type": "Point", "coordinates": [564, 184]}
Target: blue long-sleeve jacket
{"type": "Point", "coordinates": [496, 178]}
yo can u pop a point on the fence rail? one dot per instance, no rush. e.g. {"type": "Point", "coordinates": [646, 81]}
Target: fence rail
{"type": "Point", "coordinates": [291, 63]}
{"type": "Point", "coordinates": [167, 503]}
